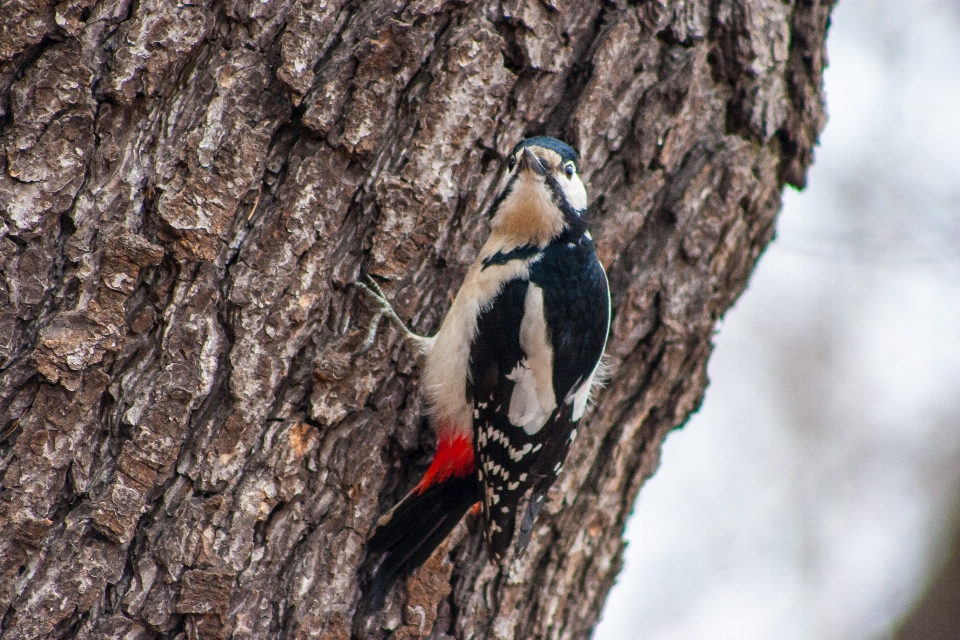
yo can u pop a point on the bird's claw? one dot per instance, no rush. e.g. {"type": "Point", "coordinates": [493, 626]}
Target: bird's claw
{"type": "Point", "coordinates": [384, 308]}
{"type": "Point", "coordinates": [374, 291]}
{"type": "Point", "coordinates": [421, 344]}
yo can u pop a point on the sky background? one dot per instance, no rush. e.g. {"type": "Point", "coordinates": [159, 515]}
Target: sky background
{"type": "Point", "coordinates": [814, 493]}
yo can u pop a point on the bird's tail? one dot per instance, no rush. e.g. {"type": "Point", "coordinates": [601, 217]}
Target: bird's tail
{"type": "Point", "coordinates": [417, 526]}
{"type": "Point", "coordinates": [406, 536]}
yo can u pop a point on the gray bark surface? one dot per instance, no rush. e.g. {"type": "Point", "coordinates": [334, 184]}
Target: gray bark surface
{"type": "Point", "coordinates": [193, 445]}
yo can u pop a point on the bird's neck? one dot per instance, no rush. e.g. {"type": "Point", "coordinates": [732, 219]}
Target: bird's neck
{"type": "Point", "coordinates": [527, 215]}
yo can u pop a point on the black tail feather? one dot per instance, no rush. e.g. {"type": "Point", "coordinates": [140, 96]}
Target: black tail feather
{"type": "Point", "coordinates": [530, 518]}
{"type": "Point", "coordinates": [413, 529]}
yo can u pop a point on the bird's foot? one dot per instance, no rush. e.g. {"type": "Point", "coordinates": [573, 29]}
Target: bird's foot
{"type": "Point", "coordinates": [384, 308]}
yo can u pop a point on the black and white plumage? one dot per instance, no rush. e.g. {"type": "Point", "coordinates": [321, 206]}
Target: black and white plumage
{"type": "Point", "coordinates": [531, 368]}
{"type": "Point", "coordinates": [510, 371]}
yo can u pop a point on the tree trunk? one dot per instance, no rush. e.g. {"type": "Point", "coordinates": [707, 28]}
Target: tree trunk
{"type": "Point", "coordinates": [193, 443]}
{"type": "Point", "coordinates": [936, 613]}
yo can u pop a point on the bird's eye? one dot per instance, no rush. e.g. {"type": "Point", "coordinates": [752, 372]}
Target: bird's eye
{"type": "Point", "coordinates": [512, 163]}
{"type": "Point", "coordinates": [569, 169]}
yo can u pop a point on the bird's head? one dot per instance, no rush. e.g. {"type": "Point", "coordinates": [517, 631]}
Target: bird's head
{"type": "Point", "coordinates": [544, 195]}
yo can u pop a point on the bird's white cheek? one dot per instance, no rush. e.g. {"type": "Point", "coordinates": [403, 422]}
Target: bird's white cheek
{"type": "Point", "coordinates": [575, 191]}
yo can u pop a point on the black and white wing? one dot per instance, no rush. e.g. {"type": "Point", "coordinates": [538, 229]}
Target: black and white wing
{"type": "Point", "coordinates": [532, 364]}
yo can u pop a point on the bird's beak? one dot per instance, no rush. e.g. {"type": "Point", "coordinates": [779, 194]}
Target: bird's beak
{"type": "Point", "coordinates": [530, 162]}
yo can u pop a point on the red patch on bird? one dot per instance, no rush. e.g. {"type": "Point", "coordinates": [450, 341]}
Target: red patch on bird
{"type": "Point", "coordinates": [454, 457]}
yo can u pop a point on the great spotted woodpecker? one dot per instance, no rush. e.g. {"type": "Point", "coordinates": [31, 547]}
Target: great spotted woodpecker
{"type": "Point", "coordinates": [510, 371]}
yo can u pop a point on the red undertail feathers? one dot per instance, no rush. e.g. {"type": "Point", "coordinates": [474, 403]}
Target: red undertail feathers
{"type": "Point", "coordinates": [415, 527]}
{"type": "Point", "coordinates": [454, 457]}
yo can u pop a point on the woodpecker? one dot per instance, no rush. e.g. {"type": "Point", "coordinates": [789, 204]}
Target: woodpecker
{"type": "Point", "coordinates": [508, 375]}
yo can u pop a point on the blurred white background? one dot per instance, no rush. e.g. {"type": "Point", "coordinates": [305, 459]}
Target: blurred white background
{"type": "Point", "coordinates": [813, 495]}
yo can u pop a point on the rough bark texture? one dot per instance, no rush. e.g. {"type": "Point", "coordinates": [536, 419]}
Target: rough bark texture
{"type": "Point", "coordinates": [192, 444]}
{"type": "Point", "coordinates": [936, 613]}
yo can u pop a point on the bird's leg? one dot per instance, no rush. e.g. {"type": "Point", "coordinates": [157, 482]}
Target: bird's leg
{"type": "Point", "coordinates": [384, 308]}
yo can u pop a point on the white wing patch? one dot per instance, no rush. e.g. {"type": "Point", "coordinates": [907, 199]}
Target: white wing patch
{"type": "Point", "coordinates": [533, 399]}
{"type": "Point", "coordinates": [525, 410]}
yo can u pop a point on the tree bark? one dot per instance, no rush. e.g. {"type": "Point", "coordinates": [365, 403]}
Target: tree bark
{"type": "Point", "coordinates": [194, 445]}
{"type": "Point", "coordinates": [936, 615]}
